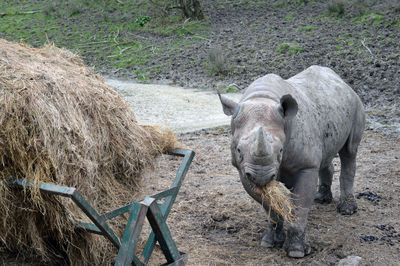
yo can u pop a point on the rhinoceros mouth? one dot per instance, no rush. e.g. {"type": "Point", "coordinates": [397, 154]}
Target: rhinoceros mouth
{"type": "Point", "coordinates": [259, 175]}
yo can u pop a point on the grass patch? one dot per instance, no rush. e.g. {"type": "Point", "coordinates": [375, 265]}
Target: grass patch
{"type": "Point", "coordinates": [289, 16]}
{"type": "Point", "coordinates": [307, 28]}
{"type": "Point", "coordinates": [105, 33]}
{"type": "Point", "coordinates": [369, 19]}
{"type": "Point", "coordinates": [182, 29]}
{"type": "Point", "coordinates": [289, 48]}
{"type": "Point", "coordinates": [233, 88]}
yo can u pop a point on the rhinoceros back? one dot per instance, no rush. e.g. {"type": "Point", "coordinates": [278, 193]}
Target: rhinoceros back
{"type": "Point", "coordinates": [329, 110]}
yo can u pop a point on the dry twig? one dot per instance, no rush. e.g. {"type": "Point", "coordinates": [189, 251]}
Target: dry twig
{"type": "Point", "coordinates": [362, 42]}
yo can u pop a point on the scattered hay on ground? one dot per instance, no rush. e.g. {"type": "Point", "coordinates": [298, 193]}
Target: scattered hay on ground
{"type": "Point", "coordinates": [60, 123]}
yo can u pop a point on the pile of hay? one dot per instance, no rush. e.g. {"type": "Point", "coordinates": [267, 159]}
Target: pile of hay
{"type": "Point", "coordinates": [279, 199]}
{"type": "Point", "coordinates": [60, 123]}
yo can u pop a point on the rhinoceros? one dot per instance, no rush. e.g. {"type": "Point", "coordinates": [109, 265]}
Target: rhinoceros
{"type": "Point", "coordinates": [290, 131]}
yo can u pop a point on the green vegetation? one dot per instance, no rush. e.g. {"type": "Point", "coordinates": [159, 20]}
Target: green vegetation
{"type": "Point", "coordinates": [349, 44]}
{"type": "Point", "coordinates": [336, 7]}
{"type": "Point", "coordinates": [103, 32]}
{"type": "Point", "coordinates": [289, 16]}
{"type": "Point", "coordinates": [289, 48]}
{"type": "Point", "coordinates": [229, 89]}
{"type": "Point", "coordinates": [232, 89]}
{"type": "Point", "coordinates": [177, 28]}
{"type": "Point", "coordinates": [307, 28]}
{"type": "Point", "coordinates": [143, 20]}
{"type": "Point", "coordinates": [369, 19]}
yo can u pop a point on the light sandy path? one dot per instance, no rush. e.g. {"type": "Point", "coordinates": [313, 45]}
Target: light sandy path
{"type": "Point", "coordinates": [182, 110]}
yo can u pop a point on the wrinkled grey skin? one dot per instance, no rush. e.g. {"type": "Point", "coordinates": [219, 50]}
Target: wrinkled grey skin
{"type": "Point", "coordinates": [291, 130]}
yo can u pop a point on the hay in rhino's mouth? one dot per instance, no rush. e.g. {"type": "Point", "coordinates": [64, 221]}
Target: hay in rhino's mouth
{"type": "Point", "coordinates": [279, 199]}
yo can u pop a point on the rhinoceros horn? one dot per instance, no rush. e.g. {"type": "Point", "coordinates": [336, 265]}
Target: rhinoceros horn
{"type": "Point", "coordinates": [260, 147]}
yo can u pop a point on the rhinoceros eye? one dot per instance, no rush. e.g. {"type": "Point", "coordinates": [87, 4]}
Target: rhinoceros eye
{"type": "Point", "coordinates": [239, 155]}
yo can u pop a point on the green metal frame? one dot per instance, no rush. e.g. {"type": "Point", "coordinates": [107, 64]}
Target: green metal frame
{"type": "Point", "coordinates": [149, 207]}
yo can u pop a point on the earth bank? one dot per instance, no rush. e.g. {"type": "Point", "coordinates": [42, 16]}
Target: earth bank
{"type": "Point", "coordinates": [248, 39]}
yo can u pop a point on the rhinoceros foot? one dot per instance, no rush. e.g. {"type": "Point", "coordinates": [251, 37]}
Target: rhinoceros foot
{"type": "Point", "coordinates": [347, 206]}
{"type": "Point", "coordinates": [273, 238]}
{"type": "Point", "coordinates": [296, 245]}
{"type": "Point", "coordinates": [324, 195]}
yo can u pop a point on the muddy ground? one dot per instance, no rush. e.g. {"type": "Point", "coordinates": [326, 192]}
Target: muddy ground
{"type": "Point", "coordinates": [216, 223]}
{"type": "Point", "coordinates": [247, 39]}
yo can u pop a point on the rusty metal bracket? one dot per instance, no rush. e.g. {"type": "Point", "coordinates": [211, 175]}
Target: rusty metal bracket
{"type": "Point", "coordinates": [149, 207]}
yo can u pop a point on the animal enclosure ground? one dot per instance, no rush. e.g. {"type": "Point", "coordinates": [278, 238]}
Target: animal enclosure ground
{"type": "Point", "coordinates": [217, 223]}
{"type": "Point", "coordinates": [214, 220]}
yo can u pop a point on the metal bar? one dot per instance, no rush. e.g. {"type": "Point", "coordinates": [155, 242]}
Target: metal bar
{"type": "Point", "coordinates": [179, 262]}
{"type": "Point", "coordinates": [89, 227]}
{"type": "Point", "coordinates": [45, 187]}
{"type": "Point", "coordinates": [177, 152]}
{"type": "Point", "coordinates": [161, 230]}
{"type": "Point", "coordinates": [166, 207]}
{"type": "Point", "coordinates": [72, 193]}
{"type": "Point", "coordinates": [99, 221]}
{"type": "Point", "coordinates": [149, 248]}
{"type": "Point", "coordinates": [165, 193]}
{"type": "Point", "coordinates": [183, 168]}
{"type": "Point", "coordinates": [117, 212]}
{"type": "Point", "coordinates": [126, 208]}
{"type": "Point", "coordinates": [126, 253]}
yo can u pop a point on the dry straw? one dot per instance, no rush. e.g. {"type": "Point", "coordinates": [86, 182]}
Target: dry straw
{"type": "Point", "coordinates": [60, 123]}
{"type": "Point", "coordinates": [279, 199]}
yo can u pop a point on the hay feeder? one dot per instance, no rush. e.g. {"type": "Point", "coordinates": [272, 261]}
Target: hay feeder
{"type": "Point", "coordinates": [150, 207]}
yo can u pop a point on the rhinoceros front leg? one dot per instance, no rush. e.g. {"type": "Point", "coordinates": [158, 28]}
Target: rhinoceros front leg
{"type": "Point", "coordinates": [273, 236]}
{"type": "Point", "coordinates": [304, 191]}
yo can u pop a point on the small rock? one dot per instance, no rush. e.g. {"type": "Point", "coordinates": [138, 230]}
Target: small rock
{"type": "Point", "coordinates": [350, 261]}
{"type": "Point", "coordinates": [369, 238]}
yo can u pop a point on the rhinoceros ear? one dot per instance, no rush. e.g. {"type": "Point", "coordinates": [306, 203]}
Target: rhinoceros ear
{"type": "Point", "coordinates": [289, 106]}
{"type": "Point", "coordinates": [229, 107]}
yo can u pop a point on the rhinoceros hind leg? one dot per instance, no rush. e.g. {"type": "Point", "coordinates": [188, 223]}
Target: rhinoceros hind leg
{"type": "Point", "coordinates": [324, 194]}
{"type": "Point", "coordinates": [347, 203]}
{"type": "Point", "coordinates": [347, 206]}
{"type": "Point", "coordinates": [296, 246]}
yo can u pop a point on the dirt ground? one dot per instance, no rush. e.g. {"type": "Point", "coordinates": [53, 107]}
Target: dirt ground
{"type": "Point", "coordinates": [247, 40]}
{"type": "Point", "coordinates": [215, 222]}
